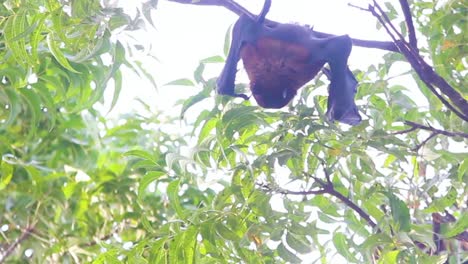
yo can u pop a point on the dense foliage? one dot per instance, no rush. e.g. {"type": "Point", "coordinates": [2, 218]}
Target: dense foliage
{"type": "Point", "coordinates": [257, 186]}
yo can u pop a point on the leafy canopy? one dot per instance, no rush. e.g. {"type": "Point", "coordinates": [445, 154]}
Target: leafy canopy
{"type": "Point", "coordinates": [257, 186]}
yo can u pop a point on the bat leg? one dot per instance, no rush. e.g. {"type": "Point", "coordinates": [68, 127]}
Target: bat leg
{"type": "Point", "coordinates": [243, 31]}
{"type": "Point", "coordinates": [343, 84]}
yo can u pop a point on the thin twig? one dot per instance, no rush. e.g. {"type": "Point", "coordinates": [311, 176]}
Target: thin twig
{"type": "Point", "coordinates": [94, 242]}
{"type": "Point", "coordinates": [353, 206]}
{"type": "Point", "coordinates": [229, 4]}
{"type": "Point", "coordinates": [11, 248]}
{"type": "Point", "coordinates": [358, 7]}
{"type": "Point", "coordinates": [436, 131]}
{"type": "Point", "coordinates": [404, 131]}
{"type": "Point", "coordinates": [330, 188]}
{"type": "Point", "coordinates": [279, 190]}
{"type": "Point", "coordinates": [387, 20]}
{"type": "Point", "coordinates": [327, 188]}
{"type": "Point", "coordinates": [420, 145]}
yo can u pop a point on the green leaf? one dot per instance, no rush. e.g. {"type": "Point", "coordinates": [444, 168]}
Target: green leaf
{"type": "Point", "coordinates": [192, 101]}
{"type": "Point", "coordinates": [227, 41]}
{"type": "Point", "coordinates": [440, 204]}
{"type": "Point", "coordinates": [376, 240]}
{"type": "Point", "coordinates": [423, 233]}
{"type": "Point", "coordinates": [117, 88]}
{"type": "Point", "coordinates": [213, 59]}
{"type": "Point", "coordinates": [181, 82]}
{"type": "Point", "coordinates": [119, 20]}
{"type": "Point", "coordinates": [390, 257]}
{"type": "Point", "coordinates": [147, 7]}
{"type": "Point", "coordinates": [341, 244]}
{"type": "Point", "coordinates": [14, 36]}
{"type": "Point", "coordinates": [440, 259]}
{"type": "Point", "coordinates": [226, 232]}
{"type": "Point", "coordinates": [189, 244]}
{"type": "Point", "coordinates": [14, 104]}
{"type": "Point", "coordinates": [298, 243]}
{"type": "Point", "coordinates": [118, 56]}
{"type": "Point", "coordinates": [198, 73]}
{"type": "Point", "coordinates": [149, 76]}
{"type": "Point", "coordinates": [325, 205]}
{"type": "Point", "coordinates": [400, 212]}
{"type": "Point", "coordinates": [239, 119]}
{"type": "Point", "coordinates": [462, 169]}
{"type": "Point", "coordinates": [287, 255]}
{"type": "Point", "coordinates": [142, 154]}
{"type": "Point", "coordinates": [24, 32]}
{"type": "Point", "coordinates": [6, 174]}
{"type": "Point", "coordinates": [207, 128]}
{"type": "Point", "coordinates": [355, 224]}
{"type": "Point", "coordinates": [148, 178]}
{"type": "Point", "coordinates": [34, 108]}
{"type": "Point", "coordinates": [58, 54]}
{"type": "Point", "coordinates": [101, 45]}
{"type": "Point", "coordinates": [48, 101]}
{"type": "Point", "coordinates": [174, 201]}
{"type": "Point", "coordinates": [460, 226]}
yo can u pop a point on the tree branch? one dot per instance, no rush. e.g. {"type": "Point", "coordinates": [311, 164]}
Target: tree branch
{"type": "Point", "coordinates": [94, 242]}
{"type": "Point", "coordinates": [11, 248]}
{"type": "Point", "coordinates": [327, 188]}
{"type": "Point", "coordinates": [239, 10]}
{"type": "Point", "coordinates": [425, 72]}
{"type": "Point", "coordinates": [436, 131]}
{"type": "Point", "coordinates": [409, 23]}
{"type": "Point", "coordinates": [330, 189]}
{"type": "Point", "coordinates": [437, 220]}
{"type": "Point", "coordinates": [353, 206]}
{"type": "Point", "coordinates": [404, 131]}
{"type": "Point", "coordinates": [420, 145]}
{"type": "Point", "coordinates": [279, 190]}
{"type": "Point", "coordinates": [229, 4]}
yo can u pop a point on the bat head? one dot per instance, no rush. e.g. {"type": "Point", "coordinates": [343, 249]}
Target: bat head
{"type": "Point", "coordinates": [277, 69]}
{"type": "Point", "coordinates": [272, 98]}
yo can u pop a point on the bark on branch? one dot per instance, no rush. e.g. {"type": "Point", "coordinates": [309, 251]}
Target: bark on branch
{"type": "Point", "coordinates": [239, 10]}
{"type": "Point", "coordinates": [326, 188]}
{"type": "Point", "coordinates": [11, 248]}
{"type": "Point", "coordinates": [426, 73]}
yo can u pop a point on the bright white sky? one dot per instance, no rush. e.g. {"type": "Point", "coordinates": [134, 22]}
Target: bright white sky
{"type": "Point", "coordinates": [185, 34]}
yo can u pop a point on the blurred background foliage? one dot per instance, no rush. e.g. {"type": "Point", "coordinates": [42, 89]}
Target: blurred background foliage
{"type": "Point", "coordinates": [236, 184]}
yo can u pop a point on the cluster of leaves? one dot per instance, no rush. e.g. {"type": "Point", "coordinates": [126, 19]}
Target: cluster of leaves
{"type": "Point", "coordinates": [57, 58]}
{"type": "Point", "coordinates": [447, 44]}
{"type": "Point", "coordinates": [258, 186]}
{"type": "Point", "coordinates": [278, 155]}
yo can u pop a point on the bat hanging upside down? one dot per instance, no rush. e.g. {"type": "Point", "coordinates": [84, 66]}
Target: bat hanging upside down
{"type": "Point", "coordinates": [281, 58]}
